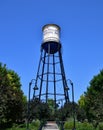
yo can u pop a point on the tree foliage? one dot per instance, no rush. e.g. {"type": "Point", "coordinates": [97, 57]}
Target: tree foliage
{"type": "Point", "coordinates": [46, 111]}
{"type": "Point", "coordinates": [38, 110]}
{"type": "Point", "coordinates": [11, 96]}
{"type": "Point", "coordinates": [92, 101]}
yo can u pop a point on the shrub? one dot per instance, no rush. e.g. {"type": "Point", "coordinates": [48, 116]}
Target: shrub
{"type": "Point", "coordinates": [68, 125]}
{"type": "Point", "coordinates": [35, 123]}
{"type": "Point", "coordinates": [79, 126]}
{"type": "Point", "coordinates": [100, 126]}
{"type": "Point", "coordinates": [84, 126]}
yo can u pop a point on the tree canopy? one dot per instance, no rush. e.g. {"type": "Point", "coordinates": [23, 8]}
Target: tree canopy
{"type": "Point", "coordinates": [92, 100]}
{"type": "Point", "coordinates": [11, 96]}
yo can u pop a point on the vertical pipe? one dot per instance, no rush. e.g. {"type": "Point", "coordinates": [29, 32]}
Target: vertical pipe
{"type": "Point", "coordinates": [73, 105]}
{"type": "Point", "coordinates": [28, 107]}
{"type": "Point", "coordinates": [54, 80]}
{"type": "Point", "coordinates": [47, 73]}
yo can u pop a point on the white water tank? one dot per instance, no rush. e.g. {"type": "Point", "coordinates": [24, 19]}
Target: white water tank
{"type": "Point", "coordinates": [51, 32]}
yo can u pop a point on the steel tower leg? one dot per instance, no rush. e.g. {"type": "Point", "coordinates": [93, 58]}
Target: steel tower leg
{"type": "Point", "coordinates": [41, 82]}
{"type": "Point", "coordinates": [63, 78]}
{"type": "Point", "coordinates": [37, 76]}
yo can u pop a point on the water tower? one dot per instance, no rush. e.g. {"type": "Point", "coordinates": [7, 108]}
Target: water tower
{"type": "Point", "coordinates": [51, 79]}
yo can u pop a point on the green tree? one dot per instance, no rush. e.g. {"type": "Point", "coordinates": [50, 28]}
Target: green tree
{"type": "Point", "coordinates": [81, 114]}
{"type": "Point", "coordinates": [52, 109]}
{"type": "Point", "coordinates": [11, 96]}
{"type": "Point", "coordinates": [93, 99]}
{"type": "Point", "coordinates": [38, 110]}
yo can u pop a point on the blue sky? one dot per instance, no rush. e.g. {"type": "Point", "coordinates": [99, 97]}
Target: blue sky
{"type": "Point", "coordinates": [81, 23]}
